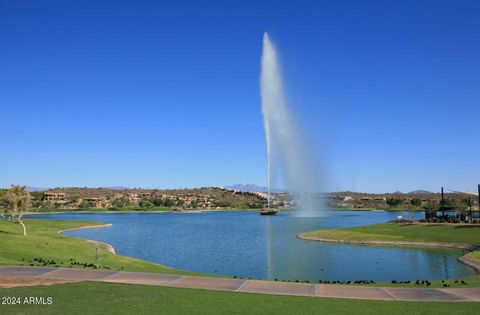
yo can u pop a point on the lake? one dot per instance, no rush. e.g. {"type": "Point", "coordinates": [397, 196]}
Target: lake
{"type": "Point", "coordinates": [243, 243]}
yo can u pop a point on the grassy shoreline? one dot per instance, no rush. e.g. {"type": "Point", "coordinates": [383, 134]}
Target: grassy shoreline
{"type": "Point", "coordinates": [465, 237]}
{"type": "Point", "coordinates": [45, 246]}
{"type": "Point", "coordinates": [447, 233]}
{"type": "Point", "coordinates": [44, 241]}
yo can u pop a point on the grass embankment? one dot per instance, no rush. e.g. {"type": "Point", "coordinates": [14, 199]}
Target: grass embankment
{"type": "Point", "coordinates": [378, 209]}
{"type": "Point", "coordinates": [458, 234]}
{"type": "Point", "coordinates": [83, 298]}
{"type": "Point", "coordinates": [428, 234]}
{"type": "Point", "coordinates": [44, 242]}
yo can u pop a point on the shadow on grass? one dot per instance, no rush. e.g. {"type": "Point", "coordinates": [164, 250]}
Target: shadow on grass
{"type": "Point", "coordinates": [9, 233]}
{"type": "Point", "coordinates": [468, 227]}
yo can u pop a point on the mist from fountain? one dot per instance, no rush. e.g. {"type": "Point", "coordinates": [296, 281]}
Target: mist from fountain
{"type": "Point", "coordinates": [291, 155]}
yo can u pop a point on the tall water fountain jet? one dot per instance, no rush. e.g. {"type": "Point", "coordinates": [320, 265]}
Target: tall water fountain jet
{"type": "Point", "coordinates": [290, 154]}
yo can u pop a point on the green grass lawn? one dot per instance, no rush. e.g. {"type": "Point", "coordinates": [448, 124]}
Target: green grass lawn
{"type": "Point", "coordinates": [105, 298]}
{"type": "Point", "coordinates": [44, 241]}
{"type": "Point", "coordinates": [463, 234]}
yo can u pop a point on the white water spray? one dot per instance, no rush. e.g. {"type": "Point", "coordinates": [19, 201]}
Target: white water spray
{"type": "Point", "coordinates": [290, 155]}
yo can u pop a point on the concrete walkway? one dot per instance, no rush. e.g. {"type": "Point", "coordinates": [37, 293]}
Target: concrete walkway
{"type": "Point", "coordinates": [242, 285]}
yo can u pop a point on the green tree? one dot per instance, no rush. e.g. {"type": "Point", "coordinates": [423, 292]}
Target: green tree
{"type": "Point", "coordinates": [73, 198]}
{"type": "Point", "coordinates": [145, 204]}
{"type": "Point", "coordinates": [461, 205]}
{"type": "Point", "coordinates": [394, 202]}
{"type": "Point", "coordinates": [158, 202]}
{"type": "Point", "coordinates": [3, 202]}
{"type": "Point", "coordinates": [431, 208]}
{"type": "Point", "coordinates": [416, 202]}
{"type": "Point", "coordinates": [119, 203]}
{"type": "Point", "coordinates": [86, 204]}
{"type": "Point", "coordinates": [46, 204]}
{"type": "Point", "coordinates": [194, 204]}
{"type": "Point", "coordinates": [169, 202]}
{"type": "Point", "coordinates": [36, 195]}
{"type": "Point", "coordinates": [18, 200]}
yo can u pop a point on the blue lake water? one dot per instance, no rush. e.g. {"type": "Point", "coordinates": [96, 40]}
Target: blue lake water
{"type": "Point", "coordinates": [240, 243]}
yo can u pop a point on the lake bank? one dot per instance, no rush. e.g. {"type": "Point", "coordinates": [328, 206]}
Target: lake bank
{"type": "Point", "coordinates": [457, 236]}
{"type": "Point", "coordinates": [45, 246]}
{"type": "Point", "coordinates": [76, 250]}
{"type": "Point", "coordinates": [254, 246]}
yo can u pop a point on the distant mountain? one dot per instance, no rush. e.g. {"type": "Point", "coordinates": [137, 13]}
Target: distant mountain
{"type": "Point", "coordinates": [397, 193]}
{"type": "Point", "coordinates": [32, 189]}
{"type": "Point", "coordinates": [420, 192]}
{"type": "Point", "coordinates": [248, 187]}
{"type": "Point", "coordinates": [117, 188]}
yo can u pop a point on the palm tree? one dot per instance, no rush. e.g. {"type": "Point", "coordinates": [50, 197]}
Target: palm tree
{"type": "Point", "coordinates": [18, 201]}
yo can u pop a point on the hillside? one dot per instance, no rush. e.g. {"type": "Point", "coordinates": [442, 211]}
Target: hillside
{"type": "Point", "coordinates": [195, 198]}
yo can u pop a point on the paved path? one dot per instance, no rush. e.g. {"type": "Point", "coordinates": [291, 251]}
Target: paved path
{"type": "Point", "coordinates": [242, 285]}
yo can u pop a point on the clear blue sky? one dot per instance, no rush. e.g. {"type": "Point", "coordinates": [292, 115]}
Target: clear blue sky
{"type": "Point", "coordinates": [166, 94]}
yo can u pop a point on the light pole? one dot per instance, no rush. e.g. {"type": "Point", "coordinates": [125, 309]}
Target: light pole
{"type": "Point", "coordinates": [470, 208]}
{"type": "Point", "coordinates": [442, 202]}
{"type": "Point", "coordinates": [478, 198]}
{"type": "Point", "coordinates": [97, 257]}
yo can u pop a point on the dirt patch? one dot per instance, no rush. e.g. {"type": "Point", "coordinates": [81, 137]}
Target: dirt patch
{"type": "Point", "coordinates": [12, 282]}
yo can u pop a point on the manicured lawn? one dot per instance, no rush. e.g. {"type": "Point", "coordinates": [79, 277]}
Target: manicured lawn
{"type": "Point", "coordinates": [463, 234]}
{"type": "Point", "coordinates": [105, 298]}
{"type": "Point", "coordinates": [43, 241]}
{"type": "Point", "coordinates": [474, 255]}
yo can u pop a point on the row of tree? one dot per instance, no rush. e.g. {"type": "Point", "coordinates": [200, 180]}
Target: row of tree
{"type": "Point", "coordinates": [456, 204]}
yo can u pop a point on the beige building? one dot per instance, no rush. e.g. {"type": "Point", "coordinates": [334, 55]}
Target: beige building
{"type": "Point", "coordinates": [52, 196]}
